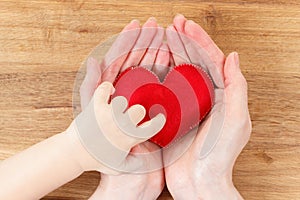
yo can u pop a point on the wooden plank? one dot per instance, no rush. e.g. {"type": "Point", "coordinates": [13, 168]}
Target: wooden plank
{"type": "Point", "coordinates": [43, 43]}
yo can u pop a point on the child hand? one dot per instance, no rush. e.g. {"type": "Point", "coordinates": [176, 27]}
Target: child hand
{"type": "Point", "coordinates": [108, 131]}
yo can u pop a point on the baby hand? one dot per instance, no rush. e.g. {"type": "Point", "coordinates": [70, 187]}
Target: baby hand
{"type": "Point", "coordinates": [108, 131]}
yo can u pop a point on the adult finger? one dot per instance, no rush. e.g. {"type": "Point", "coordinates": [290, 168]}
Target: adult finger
{"type": "Point", "coordinates": [179, 23]}
{"type": "Point", "coordinates": [235, 84]}
{"type": "Point", "coordinates": [195, 48]}
{"type": "Point", "coordinates": [208, 48]}
{"type": "Point", "coordinates": [191, 50]}
{"type": "Point", "coordinates": [119, 51]}
{"type": "Point", "coordinates": [125, 123]}
{"type": "Point", "coordinates": [144, 40]}
{"type": "Point", "coordinates": [89, 84]}
{"type": "Point", "coordinates": [162, 62]}
{"type": "Point", "coordinates": [152, 50]}
{"type": "Point", "coordinates": [176, 46]}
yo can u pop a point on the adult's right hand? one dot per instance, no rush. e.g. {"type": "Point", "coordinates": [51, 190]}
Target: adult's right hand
{"type": "Point", "coordinates": [205, 169]}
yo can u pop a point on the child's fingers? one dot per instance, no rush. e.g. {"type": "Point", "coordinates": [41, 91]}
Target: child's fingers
{"type": "Point", "coordinates": [136, 113]}
{"type": "Point", "coordinates": [152, 127]}
{"type": "Point", "coordinates": [128, 127]}
{"type": "Point", "coordinates": [103, 93]}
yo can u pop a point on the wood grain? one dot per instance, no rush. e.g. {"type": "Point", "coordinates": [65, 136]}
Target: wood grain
{"type": "Point", "coordinates": [42, 44]}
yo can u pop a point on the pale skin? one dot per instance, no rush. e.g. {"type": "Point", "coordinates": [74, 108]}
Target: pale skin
{"type": "Point", "coordinates": [206, 178]}
{"type": "Point", "coordinates": [141, 186]}
{"type": "Point", "coordinates": [211, 177]}
{"type": "Point", "coordinates": [61, 158]}
{"type": "Point", "coordinates": [36, 171]}
{"type": "Point", "coordinates": [191, 177]}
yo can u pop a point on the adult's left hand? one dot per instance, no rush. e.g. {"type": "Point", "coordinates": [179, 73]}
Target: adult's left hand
{"type": "Point", "coordinates": [134, 46]}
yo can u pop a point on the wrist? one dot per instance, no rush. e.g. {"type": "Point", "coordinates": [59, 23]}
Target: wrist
{"type": "Point", "coordinates": [222, 189]}
{"type": "Point", "coordinates": [207, 187]}
{"type": "Point", "coordinates": [222, 192]}
{"type": "Point", "coordinates": [117, 187]}
{"type": "Point", "coordinates": [82, 156]}
{"type": "Point", "coordinates": [51, 160]}
{"type": "Point", "coordinates": [78, 152]}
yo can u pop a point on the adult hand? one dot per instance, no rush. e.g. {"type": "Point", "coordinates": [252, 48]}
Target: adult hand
{"type": "Point", "coordinates": [205, 169]}
{"type": "Point", "coordinates": [134, 46]}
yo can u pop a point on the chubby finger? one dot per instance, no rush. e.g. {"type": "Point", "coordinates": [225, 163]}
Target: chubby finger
{"type": "Point", "coordinates": [136, 113]}
{"type": "Point", "coordinates": [119, 105]}
{"type": "Point", "coordinates": [103, 93]}
{"type": "Point", "coordinates": [153, 126]}
{"type": "Point", "coordinates": [128, 127]}
{"type": "Point", "coordinates": [148, 129]}
{"type": "Point", "coordinates": [144, 40]}
{"type": "Point", "coordinates": [162, 62]}
{"type": "Point", "coordinates": [117, 54]}
{"type": "Point", "coordinates": [89, 84]}
{"type": "Point", "coordinates": [236, 98]}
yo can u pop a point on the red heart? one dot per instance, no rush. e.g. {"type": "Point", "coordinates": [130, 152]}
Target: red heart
{"type": "Point", "coordinates": [184, 97]}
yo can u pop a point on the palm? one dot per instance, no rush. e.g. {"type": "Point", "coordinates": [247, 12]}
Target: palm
{"type": "Point", "coordinates": [216, 145]}
{"type": "Point", "coordinates": [188, 43]}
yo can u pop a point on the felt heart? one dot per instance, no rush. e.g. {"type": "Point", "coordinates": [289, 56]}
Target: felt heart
{"type": "Point", "coordinates": [185, 97]}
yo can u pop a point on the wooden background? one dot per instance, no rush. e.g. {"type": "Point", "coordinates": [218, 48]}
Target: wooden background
{"type": "Point", "coordinates": [42, 45]}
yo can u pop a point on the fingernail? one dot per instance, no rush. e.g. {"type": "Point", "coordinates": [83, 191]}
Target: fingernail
{"type": "Point", "coordinates": [135, 21]}
{"type": "Point", "coordinates": [90, 60]}
{"type": "Point", "coordinates": [106, 84]}
{"type": "Point", "coordinates": [113, 89]}
{"type": "Point", "coordinates": [110, 86]}
{"type": "Point", "coordinates": [190, 21]}
{"type": "Point", "coordinates": [236, 59]}
{"type": "Point", "coordinates": [171, 27]}
{"type": "Point", "coordinates": [152, 19]}
{"type": "Point", "coordinates": [179, 15]}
